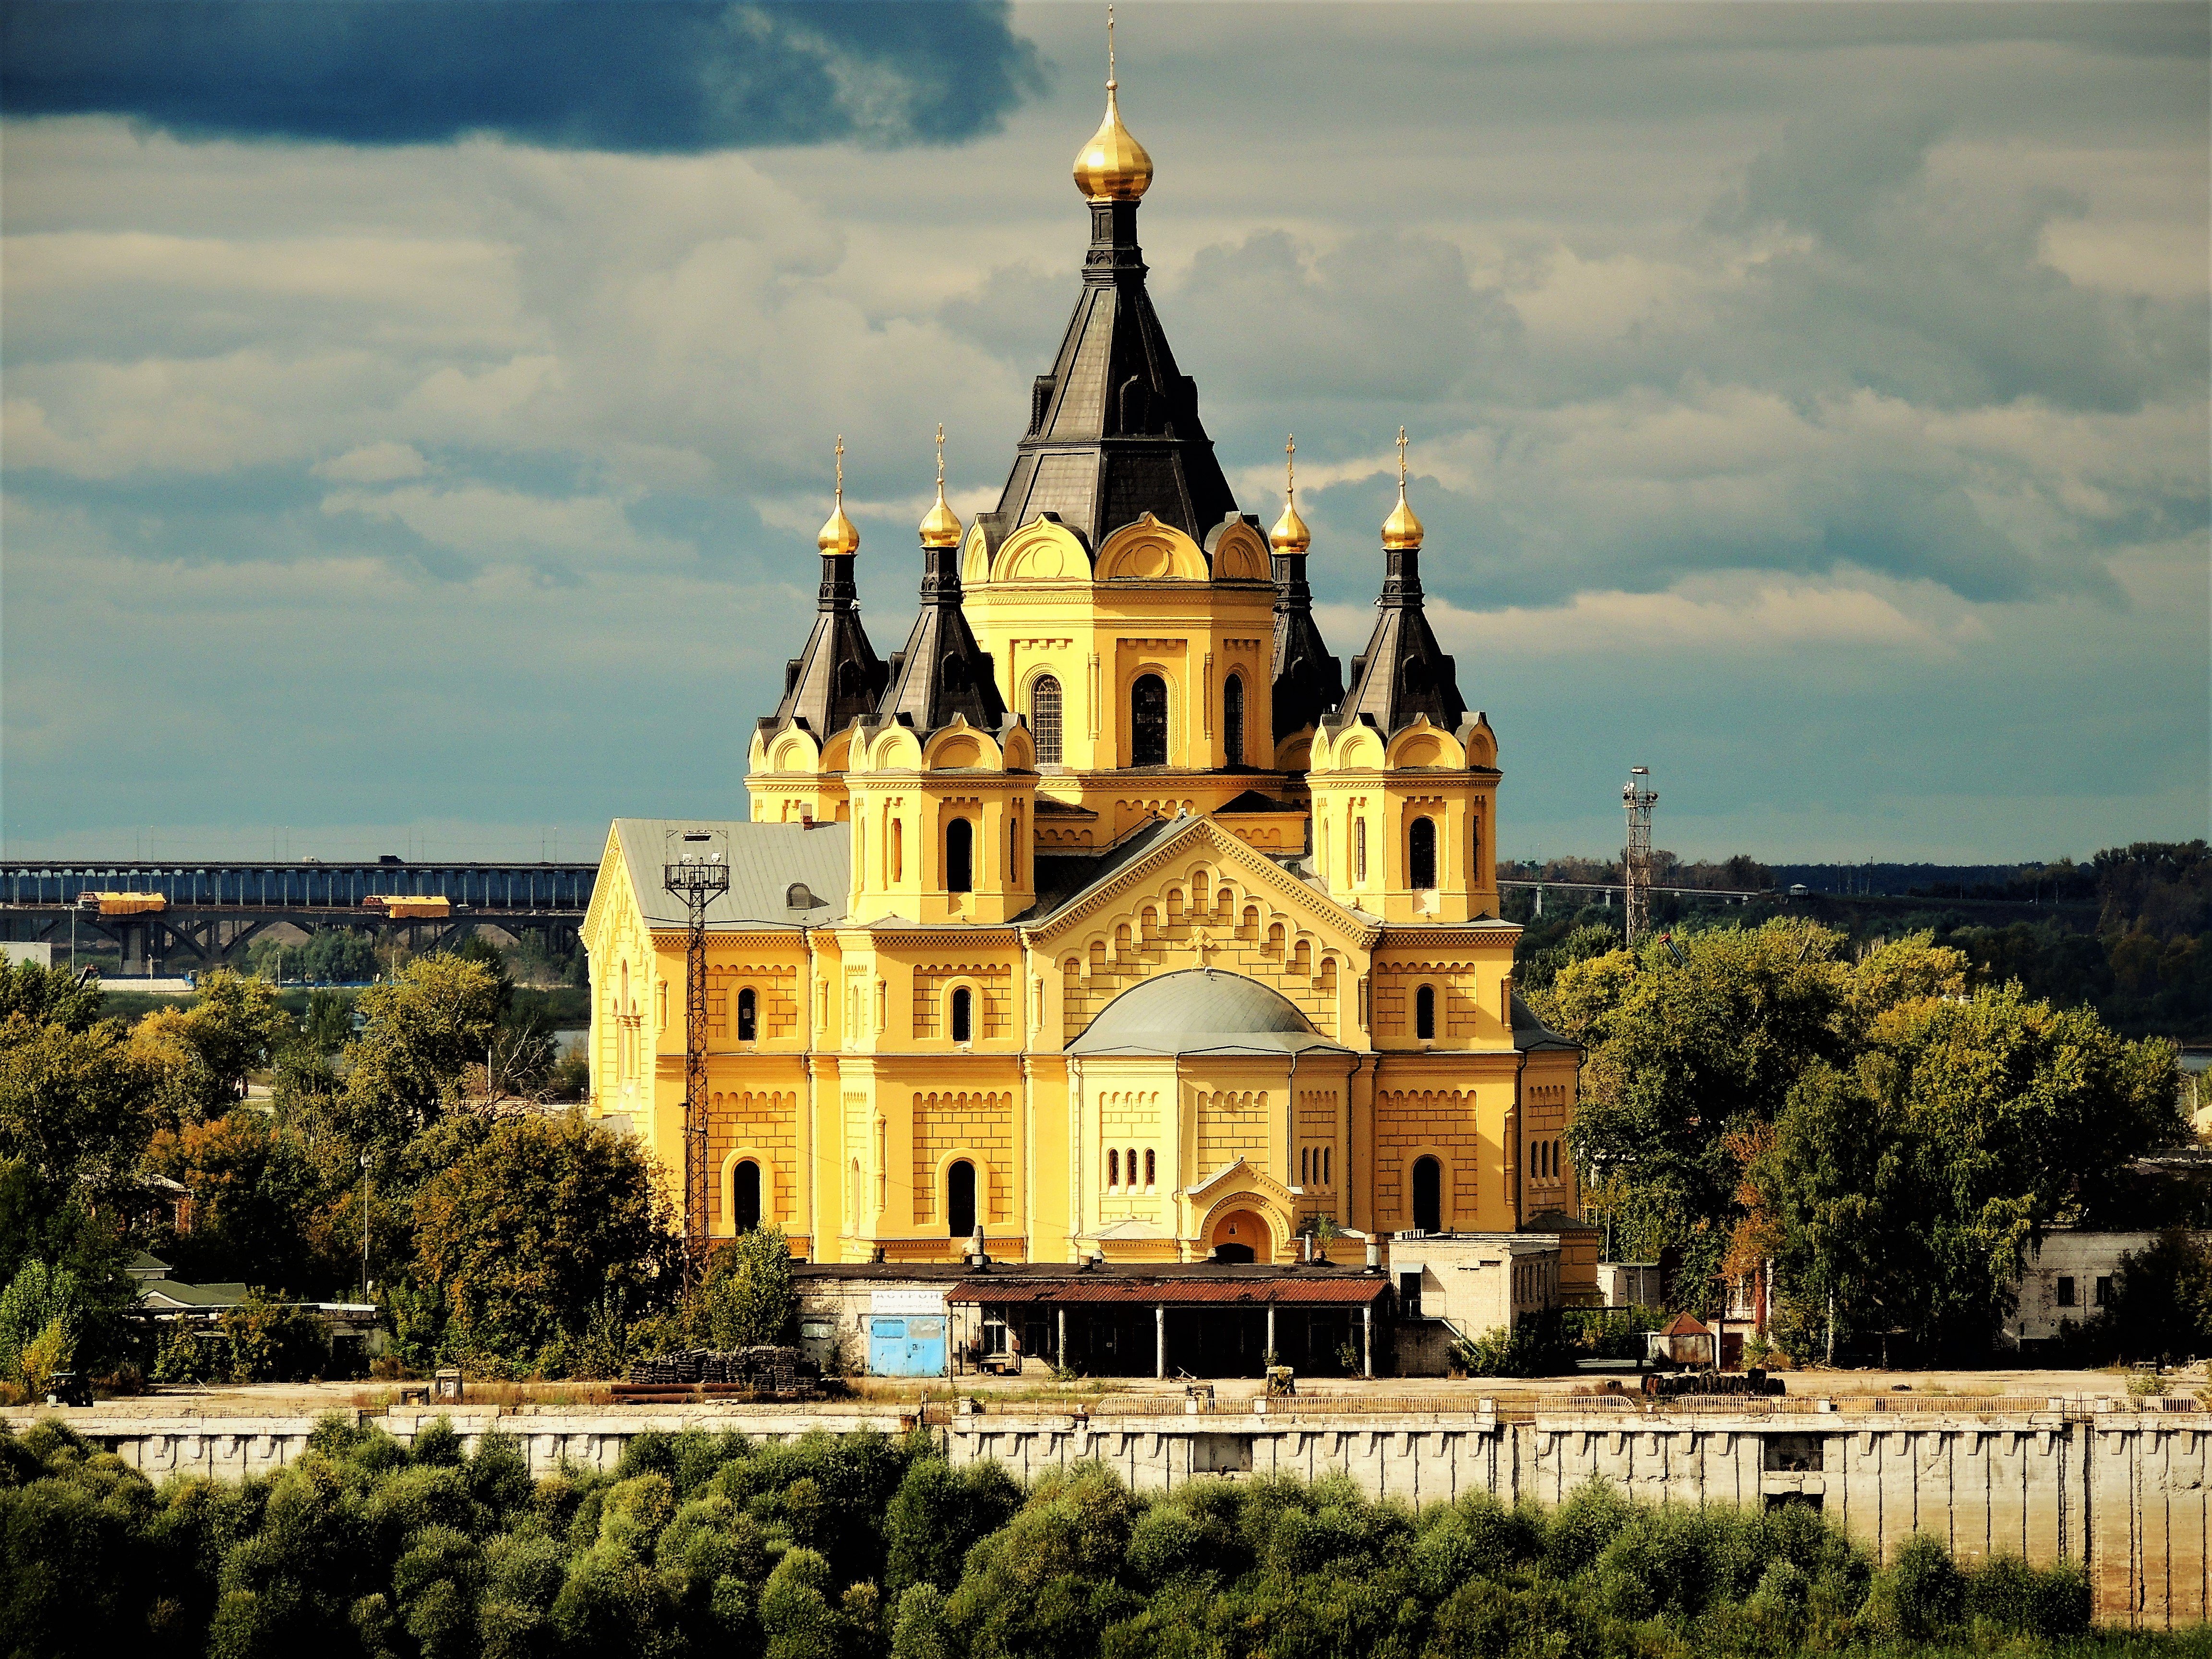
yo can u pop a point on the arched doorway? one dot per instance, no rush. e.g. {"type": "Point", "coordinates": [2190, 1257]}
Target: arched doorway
{"type": "Point", "coordinates": [746, 1194]}
{"type": "Point", "coordinates": [1428, 1195]}
{"type": "Point", "coordinates": [1241, 1235]}
{"type": "Point", "coordinates": [960, 1199]}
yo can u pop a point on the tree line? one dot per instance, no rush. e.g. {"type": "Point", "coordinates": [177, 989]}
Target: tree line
{"type": "Point", "coordinates": [1889, 1135]}
{"type": "Point", "coordinates": [865, 1548]}
{"type": "Point", "coordinates": [489, 1230]}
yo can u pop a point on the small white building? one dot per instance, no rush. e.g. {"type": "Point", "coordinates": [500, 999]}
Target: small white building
{"type": "Point", "coordinates": [1463, 1285]}
{"type": "Point", "coordinates": [2068, 1278]}
{"type": "Point", "coordinates": [1630, 1284]}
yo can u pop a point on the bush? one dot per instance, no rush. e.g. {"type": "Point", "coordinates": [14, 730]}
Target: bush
{"type": "Point", "coordinates": [273, 1342]}
{"type": "Point", "coordinates": [41, 1313]}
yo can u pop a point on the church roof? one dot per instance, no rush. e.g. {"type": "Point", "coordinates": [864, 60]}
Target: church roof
{"type": "Point", "coordinates": [1530, 1032]}
{"type": "Point", "coordinates": [766, 860]}
{"type": "Point", "coordinates": [836, 677]}
{"type": "Point", "coordinates": [1309, 680]}
{"type": "Point", "coordinates": [1114, 429]}
{"type": "Point", "coordinates": [942, 672]}
{"type": "Point", "coordinates": [1200, 1011]}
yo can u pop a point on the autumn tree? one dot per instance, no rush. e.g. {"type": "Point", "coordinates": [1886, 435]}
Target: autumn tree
{"type": "Point", "coordinates": [425, 1029]}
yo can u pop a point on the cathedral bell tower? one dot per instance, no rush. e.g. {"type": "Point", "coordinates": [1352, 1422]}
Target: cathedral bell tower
{"type": "Point", "coordinates": [1404, 777]}
{"type": "Point", "coordinates": [942, 778]}
{"type": "Point", "coordinates": [1307, 680]}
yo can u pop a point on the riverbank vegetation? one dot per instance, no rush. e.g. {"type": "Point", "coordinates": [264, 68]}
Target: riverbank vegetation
{"type": "Point", "coordinates": [862, 1547]}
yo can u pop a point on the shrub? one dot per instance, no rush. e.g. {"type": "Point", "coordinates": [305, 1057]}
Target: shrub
{"type": "Point", "coordinates": [273, 1342]}
{"type": "Point", "coordinates": [41, 1313]}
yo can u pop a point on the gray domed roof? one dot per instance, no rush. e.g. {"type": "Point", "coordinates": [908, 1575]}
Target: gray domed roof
{"type": "Point", "coordinates": [1200, 1011]}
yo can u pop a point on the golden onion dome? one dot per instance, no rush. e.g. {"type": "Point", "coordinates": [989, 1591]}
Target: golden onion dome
{"type": "Point", "coordinates": [1403, 531]}
{"type": "Point", "coordinates": [1112, 166]}
{"type": "Point", "coordinates": [838, 535]}
{"type": "Point", "coordinates": [941, 525]}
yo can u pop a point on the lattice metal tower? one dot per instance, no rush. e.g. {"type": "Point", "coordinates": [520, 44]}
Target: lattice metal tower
{"type": "Point", "coordinates": [1639, 797]}
{"type": "Point", "coordinates": [698, 873]}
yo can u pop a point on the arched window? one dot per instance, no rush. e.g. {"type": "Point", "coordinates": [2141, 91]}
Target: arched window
{"type": "Point", "coordinates": [1150, 1179]}
{"type": "Point", "coordinates": [1425, 1013]}
{"type": "Point", "coordinates": [964, 1015]}
{"type": "Point", "coordinates": [1305, 1161]}
{"type": "Point", "coordinates": [1327, 1162]}
{"type": "Point", "coordinates": [1359, 849]}
{"type": "Point", "coordinates": [1044, 719]}
{"type": "Point", "coordinates": [1428, 1195]}
{"type": "Point", "coordinates": [960, 1199]}
{"type": "Point", "coordinates": [1421, 852]}
{"type": "Point", "coordinates": [960, 856]}
{"type": "Point", "coordinates": [1113, 1167]}
{"type": "Point", "coordinates": [1148, 721]}
{"type": "Point", "coordinates": [746, 1196]}
{"type": "Point", "coordinates": [898, 850]}
{"type": "Point", "coordinates": [1232, 719]}
{"type": "Point", "coordinates": [1132, 1168]}
{"type": "Point", "coordinates": [748, 1016]}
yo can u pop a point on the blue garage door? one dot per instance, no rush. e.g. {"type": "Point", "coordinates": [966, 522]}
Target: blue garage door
{"type": "Point", "coordinates": [906, 1347]}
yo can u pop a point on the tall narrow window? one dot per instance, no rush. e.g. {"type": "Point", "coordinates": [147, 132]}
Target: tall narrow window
{"type": "Point", "coordinates": [746, 1196]}
{"type": "Point", "coordinates": [960, 856]}
{"type": "Point", "coordinates": [1425, 1013]}
{"type": "Point", "coordinates": [1359, 849]}
{"type": "Point", "coordinates": [1232, 719]}
{"type": "Point", "coordinates": [1149, 1178]}
{"type": "Point", "coordinates": [1113, 1167]}
{"type": "Point", "coordinates": [748, 1016]}
{"type": "Point", "coordinates": [898, 850]}
{"type": "Point", "coordinates": [1304, 1160]}
{"type": "Point", "coordinates": [964, 1015]}
{"type": "Point", "coordinates": [1148, 721]}
{"type": "Point", "coordinates": [1327, 1164]}
{"type": "Point", "coordinates": [1132, 1168]}
{"type": "Point", "coordinates": [1044, 719]}
{"type": "Point", "coordinates": [1428, 1195]}
{"type": "Point", "coordinates": [960, 1199]}
{"type": "Point", "coordinates": [1421, 852]}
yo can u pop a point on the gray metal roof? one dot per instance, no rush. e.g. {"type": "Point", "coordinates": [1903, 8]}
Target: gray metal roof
{"type": "Point", "coordinates": [1530, 1032]}
{"type": "Point", "coordinates": [1200, 1011]}
{"type": "Point", "coordinates": [765, 860]}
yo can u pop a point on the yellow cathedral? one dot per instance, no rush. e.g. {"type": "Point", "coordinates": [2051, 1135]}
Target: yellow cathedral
{"type": "Point", "coordinates": [1105, 920]}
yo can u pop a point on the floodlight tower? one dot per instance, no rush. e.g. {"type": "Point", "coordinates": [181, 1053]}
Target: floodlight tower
{"type": "Point", "coordinates": [698, 873]}
{"type": "Point", "coordinates": [1639, 798]}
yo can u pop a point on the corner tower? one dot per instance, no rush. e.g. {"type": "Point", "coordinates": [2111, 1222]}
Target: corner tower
{"type": "Point", "coordinates": [1404, 779]}
{"type": "Point", "coordinates": [1307, 679]}
{"type": "Point", "coordinates": [794, 769]}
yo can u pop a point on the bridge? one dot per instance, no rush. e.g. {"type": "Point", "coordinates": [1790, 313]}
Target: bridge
{"type": "Point", "coordinates": [210, 911]}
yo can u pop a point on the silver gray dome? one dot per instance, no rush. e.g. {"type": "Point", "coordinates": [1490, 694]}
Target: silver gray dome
{"type": "Point", "coordinates": [1200, 1011]}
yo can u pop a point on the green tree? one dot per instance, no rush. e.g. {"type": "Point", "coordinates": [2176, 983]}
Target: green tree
{"type": "Point", "coordinates": [73, 1103]}
{"type": "Point", "coordinates": [529, 1231]}
{"type": "Point", "coordinates": [749, 1296]}
{"type": "Point", "coordinates": [50, 996]}
{"type": "Point", "coordinates": [39, 1302]}
{"type": "Point", "coordinates": [273, 1341]}
{"type": "Point", "coordinates": [425, 1030]}
{"type": "Point", "coordinates": [200, 1055]}
{"type": "Point", "coordinates": [2162, 1303]}
{"type": "Point", "coordinates": [256, 1191]}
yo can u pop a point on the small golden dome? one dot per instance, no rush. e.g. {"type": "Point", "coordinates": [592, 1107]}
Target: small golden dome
{"type": "Point", "coordinates": [838, 535]}
{"type": "Point", "coordinates": [1403, 531]}
{"type": "Point", "coordinates": [941, 525]}
{"type": "Point", "coordinates": [1112, 166]}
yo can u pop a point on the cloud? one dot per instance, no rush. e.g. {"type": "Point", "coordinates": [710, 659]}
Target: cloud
{"type": "Point", "coordinates": [377, 463]}
{"type": "Point", "coordinates": [616, 74]}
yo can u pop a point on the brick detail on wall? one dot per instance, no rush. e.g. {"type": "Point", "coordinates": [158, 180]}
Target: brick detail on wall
{"type": "Point", "coordinates": [982, 1122]}
{"type": "Point", "coordinates": [1407, 1121]}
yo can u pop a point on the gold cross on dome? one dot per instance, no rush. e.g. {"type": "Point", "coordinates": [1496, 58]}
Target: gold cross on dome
{"type": "Point", "coordinates": [1291, 469]}
{"type": "Point", "coordinates": [1402, 460]}
{"type": "Point", "coordinates": [1109, 48]}
{"type": "Point", "coordinates": [840, 469]}
{"type": "Point", "coordinates": [940, 454]}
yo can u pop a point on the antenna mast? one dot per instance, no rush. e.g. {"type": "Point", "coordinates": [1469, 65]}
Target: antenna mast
{"type": "Point", "coordinates": [697, 873]}
{"type": "Point", "coordinates": [1639, 798]}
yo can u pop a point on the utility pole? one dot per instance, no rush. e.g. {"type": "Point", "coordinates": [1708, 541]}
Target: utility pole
{"type": "Point", "coordinates": [1638, 797]}
{"type": "Point", "coordinates": [697, 874]}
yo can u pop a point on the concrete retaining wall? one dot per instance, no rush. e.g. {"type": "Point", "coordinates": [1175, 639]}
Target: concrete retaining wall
{"type": "Point", "coordinates": [2131, 1491]}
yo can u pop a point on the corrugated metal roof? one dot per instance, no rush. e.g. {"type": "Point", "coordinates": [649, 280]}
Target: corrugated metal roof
{"type": "Point", "coordinates": [765, 860]}
{"type": "Point", "coordinates": [1347, 1290]}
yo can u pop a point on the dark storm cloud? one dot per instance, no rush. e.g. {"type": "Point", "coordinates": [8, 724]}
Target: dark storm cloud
{"type": "Point", "coordinates": [653, 75]}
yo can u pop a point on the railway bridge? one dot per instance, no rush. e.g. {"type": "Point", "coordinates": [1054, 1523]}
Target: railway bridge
{"type": "Point", "coordinates": [199, 914]}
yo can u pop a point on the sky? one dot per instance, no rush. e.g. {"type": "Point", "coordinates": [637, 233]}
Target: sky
{"type": "Point", "coordinates": [416, 416]}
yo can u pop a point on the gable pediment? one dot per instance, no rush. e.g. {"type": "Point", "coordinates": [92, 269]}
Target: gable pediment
{"type": "Point", "coordinates": [1240, 1177]}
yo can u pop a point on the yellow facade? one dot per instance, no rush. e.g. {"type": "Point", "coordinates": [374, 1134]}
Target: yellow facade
{"type": "Point", "coordinates": [1045, 930]}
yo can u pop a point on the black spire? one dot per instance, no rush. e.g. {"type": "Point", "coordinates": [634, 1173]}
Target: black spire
{"type": "Point", "coordinates": [1309, 680]}
{"type": "Point", "coordinates": [942, 673]}
{"type": "Point", "coordinates": [836, 677]}
{"type": "Point", "coordinates": [1114, 429]}
{"type": "Point", "coordinates": [1403, 674]}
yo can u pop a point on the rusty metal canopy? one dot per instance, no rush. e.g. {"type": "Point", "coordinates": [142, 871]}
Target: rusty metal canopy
{"type": "Point", "coordinates": [1347, 1291]}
